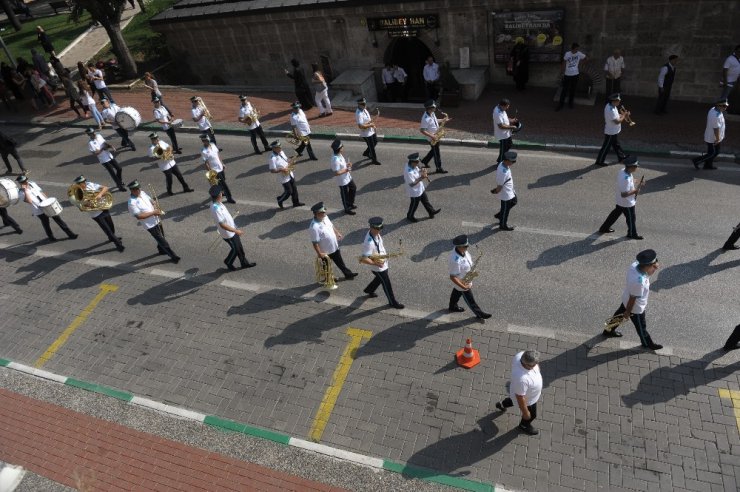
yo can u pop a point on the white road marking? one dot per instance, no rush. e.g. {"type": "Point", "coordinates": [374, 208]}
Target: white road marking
{"type": "Point", "coordinates": [231, 284]}
{"type": "Point", "coordinates": [101, 263]}
{"type": "Point", "coordinates": [534, 230]}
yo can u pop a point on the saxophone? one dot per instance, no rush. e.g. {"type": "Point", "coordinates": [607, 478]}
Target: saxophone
{"type": "Point", "coordinates": [441, 131]}
{"type": "Point", "coordinates": [385, 256]}
{"type": "Point", "coordinates": [162, 153]}
{"type": "Point", "coordinates": [473, 272]}
{"type": "Point", "coordinates": [86, 200]}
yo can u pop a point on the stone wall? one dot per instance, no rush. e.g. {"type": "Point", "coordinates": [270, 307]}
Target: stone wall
{"type": "Point", "coordinates": [252, 48]}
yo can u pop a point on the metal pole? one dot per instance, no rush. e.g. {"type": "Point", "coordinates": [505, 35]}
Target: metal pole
{"type": "Point", "coordinates": [7, 51]}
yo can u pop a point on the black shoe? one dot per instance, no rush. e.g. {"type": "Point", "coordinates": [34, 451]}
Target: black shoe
{"type": "Point", "coordinates": [636, 236]}
{"type": "Point", "coordinates": [530, 430]}
{"type": "Point", "coordinates": [366, 153]}
{"type": "Point", "coordinates": [370, 294]}
{"type": "Point", "coordinates": [411, 219]}
{"type": "Point", "coordinates": [268, 150]}
{"type": "Point", "coordinates": [73, 236]}
{"type": "Point", "coordinates": [298, 204]}
{"type": "Point", "coordinates": [20, 231]}
{"type": "Point", "coordinates": [257, 151]}
{"type": "Point", "coordinates": [727, 348]}
{"type": "Point", "coordinates": [188, 190]}
{"type": "Point", "coordinates": [612, 334]}
{"type": "Point", "coordinates": [434, 212]}
{"type": "Point", "coordinates": [122, 188]}
{"type": "Point", "coordinates": [161, 251]}
{"type": "Point", "coordinates": [133, 149]}
{"type": "Point", "coordinates": [600, 164]}
{"type": "Point", "coordinates": [350, 212]}
{"type": "Point", "coordinates": [350, 276]}
{"type": "Point", "coordinates": [696, 164]}
{"type": "Point", "coordinates": [441, 171]}
{"type": "Point", "coordinates": [52, 239]}
{"type": "Point", "coordinates": [726, 247]}
{"type": "Point", "coordinates": [496, 215]}
{"type": "Point", "coordinates": [456, 309]}
{"type": "Point", "coordinates": [397, 305]}
{"type": "Point", "coordinates": [175, 259]}
{"type": "Point", "coordinates": [280, 204]}
{"type": "Point", "coordinates": [500, 407]}
{"type": "Point", "coordinates": [313, 158]}
{"type": "Point", "coordinates": [377, 163]}
{"type": "Point", "coordinates": [425, 164]}
{"type": "Point", "coordinates": [352, 207]}
{"type": "Point", "coordinates": [230, 266]}
{"type": "Point", "coordinates": [169, 193]}
{"type": "Point", "coordinates": [710, 167]}
{"type": "Point", "coordinates": [484, 315]}
{"type": "Point", "coordinates": [505, 228]}
{"type": "Point", "coordinates": [606, 231]}
{"type": "Point", "coordinates": [654, 346]}
{"type": "Point", "coordinates": [248, 265]}
{"type": "Point", "coordinates": [120, 247]}
{"type": "Point", "coordinates": [178, 151]}
{"type": "Point", "coordinates": [300, 155]}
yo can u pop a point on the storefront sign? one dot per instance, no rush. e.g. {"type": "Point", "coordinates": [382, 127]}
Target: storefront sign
{"type": "Point", "coordinates": [540, 30]}
{"type": "Point", "coordinates": [403, 26]}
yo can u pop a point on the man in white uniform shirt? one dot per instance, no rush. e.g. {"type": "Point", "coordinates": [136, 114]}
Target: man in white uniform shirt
{"type": "Point", "coordinates": [164, 117]}
{"type": "Point", "coordinates": [612, 126]}
{"type": "Point", "coordinates": [389, 82]}
{"type": "Point", "coordinates": [141, 207]}
{"type": "Point", "coordinates": [98, 78]}
{"type": "Point", "coordinates": [254, 128]}
{"type": "Point", "coordinates": [367, 129]}
{"type": "Point", "coordinates": [502, 128]}
{"type": "Point", "coordinates": [525, 389]}
{"type": "Point", "coordinates": [167, 166]}
{"type": "Point", "coordinates": [429, 127]}
{"type": "Point", "coordinates": [401, 76]}
{"type": "Point", "coordinates": [730, 73]}
{"type": "Point", "coordinates": [101, 149]}
{"type": "Point", "coordinates": [341, 169]}
{"type": "Point", "coordinates": [570, 70]}
{"type": "Point", "coordinates": [101, 217]}
{"type": "Point", "coordinates": [415, 190]}
{"type": "Point", "coordinates": [32, 194]}
{"type": "Point", "coordinates": [626, 193]}
{"type": "Point", "coordinates": [302, 130]}
{"type": "Point", "coordinates": [431, 78]}
{"type": "Point", "coordinates": [373, 246]}
{"type": "Point", "coordinates": [227, 230]}
{"type": "Point", "coordinates": [714, 134]}
{"type": "Point", "coordinates": [280, 165]}
{"type": "Point", "coordinates": [325, 239]}
{"type": "Point", "coordinates": [109, 115]}
{"type": "Point", "coordinates": [460, 263]}
{"type": "Point", "coordinates": [212, 160]}
{"type": "Point", "coordinates": [505, 190]}
{"type": "Point", "coordinates": [635, 297]}
{"type": "Point", "coordinates": [199, 117]}
{"type": "Point", "coordinates": [613, 71]}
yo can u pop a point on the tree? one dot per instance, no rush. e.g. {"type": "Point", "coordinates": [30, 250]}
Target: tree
{"type": "Point", "coordinates": [8, 8]}
{"type": "Point", "coordinates": [108, 14]}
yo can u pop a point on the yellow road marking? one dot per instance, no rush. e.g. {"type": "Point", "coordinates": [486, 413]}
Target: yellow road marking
{"type": "Point", "coordinates": [105, 289]}
{"type": "Point", "coordinates": [337, 381]}
{"type": "Point", "coordinates": [735, 397]}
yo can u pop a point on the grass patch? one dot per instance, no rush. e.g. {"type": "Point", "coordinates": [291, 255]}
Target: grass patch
{"type": "Point", "coordinates": [61, 30]}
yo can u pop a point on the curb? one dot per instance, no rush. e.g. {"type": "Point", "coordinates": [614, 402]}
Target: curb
{"type": "Point", "coordinates": [233, 426]}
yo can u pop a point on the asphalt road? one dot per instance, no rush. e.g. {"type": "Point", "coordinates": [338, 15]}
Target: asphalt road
{"type": "Point", "coordinates": [552, 272]}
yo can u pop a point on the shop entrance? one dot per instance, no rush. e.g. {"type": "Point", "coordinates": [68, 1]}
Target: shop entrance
{"type": "Point", "coordinates": [410, 53]}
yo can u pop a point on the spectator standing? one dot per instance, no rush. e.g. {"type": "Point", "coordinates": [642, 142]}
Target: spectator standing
{"type": "Point", "coordinates": [520, 64]}
{"type": "Point", "coordinates": [89, 104]}
{"type": "Point", "coordinates": [389, 82]}
{"type": "Point", "coordinates": [9, 146]}
{"type": "Point", "coordinates": [86, 75]}
{"type": "Point", "coordinates": [400, 75]}
{"type": "Point", "coordinates": [665, 82]}
{"type": "Point", "coordinates": [321, 92]}
{"type": "Point", "coordinates": [73, 93]}
{"type": "Point", "coordinates": [7, 74]}
{"type": "Point", "coordinates": [45, 41]}
{"type": "Point", "coordinates": [730, 72]}
{"type": "Point", "coordinates": [613, 71]}
{"type": "Point", "coordinates": [98, 78]}
{"type": "Point", "coordinates": [570, 70]}
{"type": "Point", "coordinates": [525, 389]}
{"type": "Point", "coordinates": [432, 76]}
{"type": "Point", "coordinates": [302, 90]}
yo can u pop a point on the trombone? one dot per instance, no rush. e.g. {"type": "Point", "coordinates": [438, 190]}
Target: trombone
{"type": "Point", "coordinates": [155, 199]}
{"type": "Point", "coordinates": [215, 241]}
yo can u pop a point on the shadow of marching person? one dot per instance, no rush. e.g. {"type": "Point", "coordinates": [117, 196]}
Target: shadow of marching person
{"type": "Point", "coordinates": [98, 275]}
{"type": "Point", "coordinates": [272, 299]}
{"type": "Point", "coordinates": [559, 179]}
{"type": "Point", "coordinates": [566, 252]}
{"type": "Point", "coordinates": [691, 271]}
{"type": "Point", "coordinates": [46, 265]}
{"type": "Point", "coordinates": [172, 289]}
{"type": "Point", "coordinates": [437, 248]}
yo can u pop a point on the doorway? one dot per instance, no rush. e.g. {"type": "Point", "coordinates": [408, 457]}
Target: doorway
{"type": "Point", "coordinates": [410, 54]}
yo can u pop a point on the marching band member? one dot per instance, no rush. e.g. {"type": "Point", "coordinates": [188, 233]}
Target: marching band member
{"type": "Point", "coordinates": [109, 116]}
{"type": "Point", "coordinates": [301, 128]}
{"type": "Point", "coordinates": [141, 207]}
{"type": "Point", "coordinates": [164, 117]}
{"type": "Point", "coordinates": [415, 190]}
{"type": "Point", "coordinates": [505, 190]}
{"type": "Point", "coordinates": [167, 166]}
{"type": "Point", "coordinates": [626, 199]}
{"type": "Point", "coordinates": [33, 195]}
{"type": "Point", "coordinates": [101, 217]}
{"type": "Point", "coordinates": [341, 169]}
{"type": "Point", "coordinates": [429, 128]}
{"type": "Point", "coordinates": [459, 263]}
{"type": "Point", "coordinates": [209, 154]}
{"type": "Point", "coordinates": [199, 116]}
{"type": "Point", "coordinates": [714, 133]}
{"type": "Point", "coordinates": [728, 246]}
{"type": "Point", "coordinates": [254, 127]}
{"type": "Point", "coordinates": [8, 220]}
{"type": "Point", "coordinates": [367, 130]}
{"type": "Point", "coordinates": [502, 127]}
{"type": "Point", "coordinates": [612, 126]}
{"type": "Point", "coordinates": [373, 245]}
{"type": "Point", "coordinates": [279, 164]}
{"type": "Point", "coordinates": [227, 230]}
{"type": "Point", "coordinates": [325, 239]}
{"type": "Point", "coordinates": [104, 152]}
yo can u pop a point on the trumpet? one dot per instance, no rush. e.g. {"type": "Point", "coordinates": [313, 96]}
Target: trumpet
{"type": "Point", "coordinates": [87, 201]}
{"type": "Point", "coordinates": [212, 177]}
{"type": "Point", "coordinates": [325, 273]}
{"type": "Point", "coordinates": [295, 140]}
{"type": "Point", "coordinates": [625, 111]}
{"type": "Point", "coordinates": [162, 153]}
{"type": "Point", "coordinates": [155, 199]}
{"type": "Point", "coordinates": [203, 106]}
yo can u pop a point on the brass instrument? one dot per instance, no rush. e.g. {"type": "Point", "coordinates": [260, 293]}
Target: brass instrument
{"type": "Point", "coordinates": [215, 241]}
{"type": "Point", "coordinates": [639, 186]}
{"type": "Point", "coordinates": [473, 272]}
{"type": "Point", "coordinates": [441, 131]}
{"type": "Point", "coordinates": [212, 177]}
{"type": "Point", "coordinates": [203, 106]}
{"type": "Point", "coordinates": [613, 322]}
{"type": "Point", "coordinates": [87, 201]}
{"type": "Point", "coordinates": [624, 111]}
{"type": "Point", "coordinates": [155, 199]}
{"type": "Point", "coordinates": [425, 175]}
{"type": "Point", "coordinates": [295, 140]}
{"type": "Point", "coordinates": [291, 165]}
{"type": "Point", "coordinates": [164, 154]}
{"type": "Point", "coordinates": [384, 257]}
{"type": "Point", "coordinates": [374, 121]}
{"type": "Point", "coordinates": [325, 273]}
{"type": "Point", "coordinates": [251, 117]}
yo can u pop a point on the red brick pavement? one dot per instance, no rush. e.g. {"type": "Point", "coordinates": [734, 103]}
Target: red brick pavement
{"type": "Point", "coordinates": [65, 446]}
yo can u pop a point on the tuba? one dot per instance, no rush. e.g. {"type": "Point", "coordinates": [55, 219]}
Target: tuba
{"type": "Point", "coordinates": [325, 273]}
{"type": "Point", "coordinates": [212, 177]}
{"type": "Point", "coordinates": [86, 200]}
{"type": "Point", "coordinates": [163, 154]}
{"type": "Point", "coordinates": [203, 106]}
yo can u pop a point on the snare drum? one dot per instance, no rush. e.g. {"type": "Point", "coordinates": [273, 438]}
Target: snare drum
{"type": "Point", "coordinates": [128, 118]}
{"type": "Point", "coordinates": [51, 207]}
{"type": "Point", "coordinates": [176, 123]}
{"type": "Point", "coordinates": [8, 193]}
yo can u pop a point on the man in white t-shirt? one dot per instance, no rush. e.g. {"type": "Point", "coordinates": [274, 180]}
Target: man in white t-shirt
{"type": "Point", "coordinates": [505, 190]}
{"type": "Point", "coordinates": [626, 195]}
{"type": "Point", "coordinates": [635, 297]}
{"type": "Point", "coordinates": [325, 239]}
{"type": "Point", "coordinates": [613, 71]}
{"type": "Point", "coordinates": [401, 76]}
{"type": "Point", "coordinates": [502, 128]}
{"type": "Point", "coordinates": [227, 230]}
{"type": "Point", "coordinates": [714, 134]}
{"type": "Point", "coordinates": [525, 389]}
{"type": "Point", "coordinates": [730, 72]}
{"type": "Point", "coordinates": [459, 265]}
{"type": "Point", "coordinates": [613, 119]}
{"type": "Point", "coordinates": [341, 169]}
{"type": "Point", "coordinates": [570, 70]}
{"type": "Point", "coordinates": [97, 76]}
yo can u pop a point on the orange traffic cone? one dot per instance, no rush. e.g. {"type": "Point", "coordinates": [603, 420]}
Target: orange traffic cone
{"type": "Point", "coordinates": [467, 357]}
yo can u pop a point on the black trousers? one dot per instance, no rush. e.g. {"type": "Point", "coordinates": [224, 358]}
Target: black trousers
{"type": "Point", "coordinates": [570, 83]}
{"type": "Point", "coordinates": [432, 89]}
{"type": "Point", "coordinates": [708, 159]}
{"type": "Point", "coordinates": [211, 135]}
{"type": "Point", "coordinates": [115, 171]}
{"type": "Point", "coordinates": [610, 141]}
{"type": "Point", "coordinates": [290, 189]}
{"type": "Point", "coordinates": [308, 147]}
{"type": "Point", "coordinates": [105, 221]}
{"type": "Point", "coordinates": [125, 140]}
{"type": "Point", "coordinates": [174, 171]}
{"type": "Point", "coordinates": [732, 342]}
{"type": "Point", "coordinates": [261, 133]}
{"type": "Point", "coordinates": [62, 225]}
{"type": "Point", "coordinates": [526, 424]}
{"type": "Point", "coordinates": [433, 153]}
{"type": "Point", "coordinates": [415, 200]}
{"type": "Point", "coordinates": [14, 153]}
{"type": "Point", "coordinates": [663, 95]}
{"type": "Point", "coordinates": [336, 257]}
{"type": "Point", "coordinates": [640, 325]}
{"type": "Point", "coordinates": [8, 220]}
{"type": "Point", "coordinates": [236, 251]}
{"type": "Point", "coordinates": [371, 142]}
{"type": "Point", "coordinates": [72, 102]}
{"type": "Point", "coordinates": [629, 215]}
{"type": "Point", "coordinates": [173, 137]}
{"type": "Point", "coordinates": [613, 86]}
{"type": "Point", "coordinates": [506, 206]}
{"type": "Point", "coordinates": [504, 145]}
{"type": "Point", "coordinates": [163, 246]}
{"type": "Point", "coordinates": [469, 299]}
{"type": "Point", "coordinates": [382, 279]}
{"type": "Point", "coordinates": [223, 185]}
{"type": "Point", "coordinates": [348, 192]}
{"type": "Point", "coordinates": [733, 238]}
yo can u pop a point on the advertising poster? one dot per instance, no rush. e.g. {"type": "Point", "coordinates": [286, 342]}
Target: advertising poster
{"type": "Point", "coordinates": [540, 30]}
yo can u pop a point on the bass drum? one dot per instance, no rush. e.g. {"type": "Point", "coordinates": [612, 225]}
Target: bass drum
{"type": "Point", "coordinates": [128, 118]}
{"type": "Point", "coordinates": [8, 193]}
{"type": "Point", "coordinates": [51, 207]}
